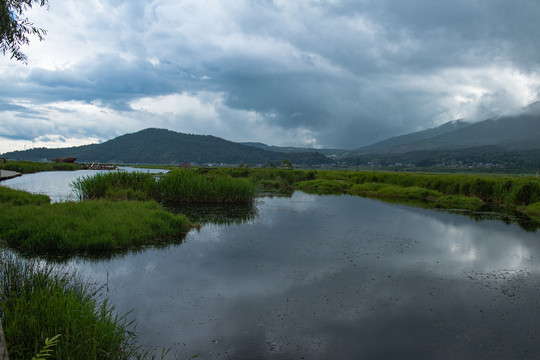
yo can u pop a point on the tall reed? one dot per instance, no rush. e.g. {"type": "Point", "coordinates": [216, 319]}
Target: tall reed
{"type": "Point", "coordinates": [39, 302]}
{"type": "Point", "coordinates": [111, 184]}
{"type": "Point", "coordinates": [177, 186]}
{"type": "Point", "coordinates": [187, 186]}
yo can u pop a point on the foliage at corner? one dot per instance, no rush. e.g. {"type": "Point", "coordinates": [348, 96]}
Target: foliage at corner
{"type": "Point", "coordinates": [47, 312]}
{"type": "Point", "coordinates": [15, 28]}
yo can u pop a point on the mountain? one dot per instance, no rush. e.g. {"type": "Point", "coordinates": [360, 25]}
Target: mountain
{"type": "Point", "coordinates": [291, 149]}
{"type": "Point", "coordinates": [511, 132]}
{"type": "Point", "coordinates": [403, 142]}
{"type": "Point", "coordinates": [160, 146]}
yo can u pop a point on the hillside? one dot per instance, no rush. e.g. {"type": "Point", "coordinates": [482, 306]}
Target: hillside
{"type": "Point", "coordinates": [511, 132]}
{"type": "Point", "coordinates": [291, 149]}
{"type": "Point", "coordinates": [160, 146]}
{"type": "Point", "coordinates": [401, 143]}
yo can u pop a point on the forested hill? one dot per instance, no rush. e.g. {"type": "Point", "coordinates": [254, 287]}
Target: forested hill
{"type": "Point", "coordinates": [160, 146]}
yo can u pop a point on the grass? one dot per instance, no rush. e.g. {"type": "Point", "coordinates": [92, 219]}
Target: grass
{"type": "Point", "coordinates": [177, 186]}
{"type": "Point", "coordinates": [39, 302]}
{"type": "Point", "coordinates": [33, 226]}
{"type": "Point", "coordinates": [116, 185]}
{"type": "Point", "coordinates": [28, 167]}
{"type": "Point", "coordinates": [187, 186]}
{"type": "Point", "coordinates": [458, 191]}
{"type": "Point", "coordinates": [18, 197]}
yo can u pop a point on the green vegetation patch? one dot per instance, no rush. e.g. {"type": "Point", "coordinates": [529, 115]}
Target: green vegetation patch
{"type": "Point", "coordinates": [28, 167]}
{"type": "Point", "coordinates": [415, 193]}
{"type": "Point", "coordinates": [176, 186]}
{"type": "Point", "coordinates": [40, 303]}
{"type": "Point", "coordinates": [87, 227]}
{"type": "Point", "coordinates": [188, 186]}
{"type": "Point", "coordinates": [116, 185]}
{"type": "Point", "coordinates": [18, 197]}
{"type": "Point", "coordinates": [533, 210]}
{"type": "Point", "coordinates": [321, 186]}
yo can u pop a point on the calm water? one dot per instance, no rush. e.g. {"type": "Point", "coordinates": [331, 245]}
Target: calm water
{"type": "Point", "coordinates": [56, 184]}
{"type": "Point", "coordinates": [335, 277]}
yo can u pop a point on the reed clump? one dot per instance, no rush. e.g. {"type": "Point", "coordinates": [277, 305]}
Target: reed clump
{"type": "Point", "coordinates": [31, 224]}
{"type": "Point", "coordinates": [18, 197]}
{"type": "Point", "coordinates": [176, 186]}
{"type": "Point", "coordinates": [28, 167]}
{"type": "Point", "coordinates": [92, 227]}
{"type": "Point", "coordinates": [39, 302]}
{"type": "Point", "coordinates": [187, 186]}
{"type": "Point", "coordinates": [116, 185]}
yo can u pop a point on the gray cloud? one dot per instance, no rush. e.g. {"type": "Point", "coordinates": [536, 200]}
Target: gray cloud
{"type": "Point", "coordinates": [347, 73]}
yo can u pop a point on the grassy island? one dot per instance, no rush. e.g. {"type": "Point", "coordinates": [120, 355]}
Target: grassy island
{"type": "Point", "coordinates": [30, 224]}
{"type": "Point", "coordinates": [28, 167]}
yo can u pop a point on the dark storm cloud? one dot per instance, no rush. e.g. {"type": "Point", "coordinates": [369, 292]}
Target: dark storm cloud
{"type": "Point", "coordinates": [348, 73]}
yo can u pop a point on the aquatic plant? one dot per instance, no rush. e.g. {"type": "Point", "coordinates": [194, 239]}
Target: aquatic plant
{"type": "Point", "coordinates": [10, 196]}
{"type": "Point", "coordinates": [179, 186]}
{"type": "Point", "coordinates": [187, 186]}
{"type": "Point", "coordinates": [40, 302]}
{"type": "Point", "coordinates": [27, 167]}
{"type": "Point", "coordinates": [114, 185]}
{"type": "Point", "coordinates": [91, 226]}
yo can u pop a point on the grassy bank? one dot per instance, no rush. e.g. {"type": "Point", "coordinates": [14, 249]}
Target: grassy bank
{"type": "Point", "coordinates": [38, 303]}
{"type": "Point", "coordinates": [29, 223]}
{"type": "Point", "coordinates": [176, 186]}
{"type": "Point", "coordinates": [451, 191]}
{"type": "Point", "coordinates": [28, 167]}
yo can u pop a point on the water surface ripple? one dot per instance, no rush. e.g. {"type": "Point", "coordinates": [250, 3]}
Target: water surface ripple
{"type": "Point", "coordinates": [336, 277]}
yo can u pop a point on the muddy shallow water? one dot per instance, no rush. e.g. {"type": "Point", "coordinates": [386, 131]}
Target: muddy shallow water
{"type": "Point", "coordinates": [334, 277]}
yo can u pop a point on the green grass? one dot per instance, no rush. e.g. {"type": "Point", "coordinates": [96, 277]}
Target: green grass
{"type": "Point", "coordinates": [459, 191]}
{"type": "Point", "coordinates": [27, 167]}
{"type": "Point", "coordinates": [177, 186]}
{"type": "Point", "coordinates": [116, 185]}
{"type": "Point", "coordinates": [414, 193]}
{"type": "Point", "coordinates": [40, 302]}
{"type": "Point", "coordinates": [87, 227]}
{"type": "Point", "coordinates": [32, 225]}
{"type": "Point", "coordinates": [533, 210]}
{"type": "Point", "coordinates": [188, 186]}
{"type": "Point", "coordinates": [18, 197]}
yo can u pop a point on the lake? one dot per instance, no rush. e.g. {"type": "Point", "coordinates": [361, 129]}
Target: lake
{"type": "Point", "coordinates": [332, 277]}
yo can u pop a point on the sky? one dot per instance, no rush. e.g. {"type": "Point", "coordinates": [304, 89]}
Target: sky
{"type": "Point", "coordinates": [325, 74]}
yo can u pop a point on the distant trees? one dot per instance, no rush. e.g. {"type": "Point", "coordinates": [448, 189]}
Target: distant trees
{"type": "Point", "coordinates": [287, 164]}
{"type": "Point", "coordinates": [15, 28]}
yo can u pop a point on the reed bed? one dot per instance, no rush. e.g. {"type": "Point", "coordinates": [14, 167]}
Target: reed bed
{"type": "Point", "coordinates": [186, 186]}
{"type": "Point", "coordinates": [116, 185]}
{"type": "Point", "coordinates": [177, 186]}
{"type": "Point", "coordinates": [28, 167]}
{"type": "Point", "coordinates": [39, 302]}
{"type": "Point", "coordinates": [18, 197]}
{"type": "Point", "coordinates": [90, 227]}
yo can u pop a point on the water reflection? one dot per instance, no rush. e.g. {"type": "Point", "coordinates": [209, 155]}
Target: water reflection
{"type": "Point", "coordinates": [216, 214]}
{"type": "Point", "coordinates": [336, 277]}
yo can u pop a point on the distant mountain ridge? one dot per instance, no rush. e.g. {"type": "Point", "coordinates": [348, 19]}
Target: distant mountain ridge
{"type": "Point", "coordinates": [292, 149]}
{"type": "Point", "coordinates": [510, 132]}
{"type": "Point", "coordinates": [161, 146]}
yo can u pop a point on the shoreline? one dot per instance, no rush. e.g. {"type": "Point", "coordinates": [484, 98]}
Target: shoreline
{"type": "Point", "coordinates": [7, 174]}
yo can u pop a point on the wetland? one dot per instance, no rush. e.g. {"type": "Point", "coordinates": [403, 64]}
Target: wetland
{"type": "Point", "coordinates": [319, 277]}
